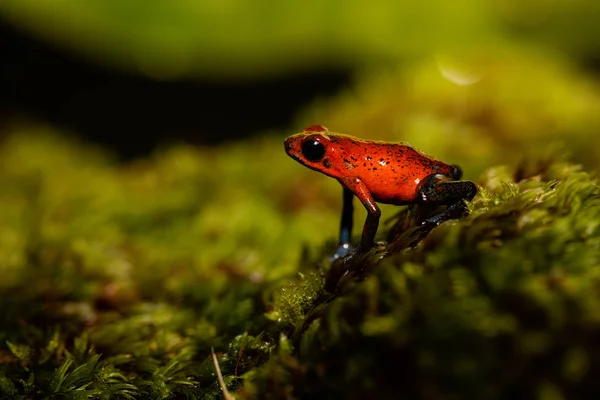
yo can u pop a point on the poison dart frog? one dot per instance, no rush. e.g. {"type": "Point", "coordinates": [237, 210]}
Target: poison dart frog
{"type": "Point", "coordinates": [375, 171]}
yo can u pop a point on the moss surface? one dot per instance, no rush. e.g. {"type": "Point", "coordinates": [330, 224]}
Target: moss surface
{"type": "Point", "coordinates": [106, 291]}
{"type": "Point", "coordinates": [117, 280]}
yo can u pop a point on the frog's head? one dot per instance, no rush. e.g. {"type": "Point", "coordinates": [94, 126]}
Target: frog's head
{"type": "Point", "coordinates": [310, 148]}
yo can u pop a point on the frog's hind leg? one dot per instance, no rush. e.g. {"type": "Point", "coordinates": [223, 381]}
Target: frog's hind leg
{"type": "Point", "coordinates": [437, 190]}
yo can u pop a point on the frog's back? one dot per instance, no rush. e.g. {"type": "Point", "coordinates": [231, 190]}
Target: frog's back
{"type": "Point", "coordinates": [391, 171]}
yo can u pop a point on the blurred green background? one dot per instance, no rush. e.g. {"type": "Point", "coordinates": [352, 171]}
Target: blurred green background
{"type": "Point", "coordinates": [176, 233]}
{"type": "Point", "coordinates": [241, 38]}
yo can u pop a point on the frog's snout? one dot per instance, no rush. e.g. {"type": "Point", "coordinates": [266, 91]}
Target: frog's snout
{"type": "Point", "coordinates": [291, 148]}
{"type": "Point", "coordinates": [287, 144]}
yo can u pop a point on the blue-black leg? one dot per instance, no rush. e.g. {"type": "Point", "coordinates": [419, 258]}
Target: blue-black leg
{"type": "Point", "coordinates": [346, 225]}
{"type": "Point", "coordinates": [355, 186]}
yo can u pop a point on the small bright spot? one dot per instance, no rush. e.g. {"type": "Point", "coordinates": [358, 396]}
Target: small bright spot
{"type": "Point", "coordinates": [457, 72]}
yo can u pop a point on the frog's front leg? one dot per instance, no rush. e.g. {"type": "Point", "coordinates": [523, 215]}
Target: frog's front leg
{"type": "Point", "coordinates": [437, 190]}
{"type": "Point", "coordinates": [359, 189]}
{"type": "Point", "coordinates": [353, 187]}
{"type": "Point", "coordinates": [346, 225]}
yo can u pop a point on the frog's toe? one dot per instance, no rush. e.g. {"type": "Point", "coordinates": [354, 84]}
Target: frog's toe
{"type": "Point", "coordinates": [341, 252]}
{"type": "Point", "coordinates": [432, 222]}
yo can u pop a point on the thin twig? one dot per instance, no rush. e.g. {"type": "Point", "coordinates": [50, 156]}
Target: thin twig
{"type": "Point", "coordinates": [226, 393]}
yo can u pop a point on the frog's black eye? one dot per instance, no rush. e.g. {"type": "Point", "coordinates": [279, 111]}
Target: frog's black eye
{"type": "Point", "coordinates": [313, 150]}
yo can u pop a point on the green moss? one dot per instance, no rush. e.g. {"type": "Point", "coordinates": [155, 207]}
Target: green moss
{"type": "Point", "coordinates": [502, 302]}
{"type": "Point", "coordinates": [497, 304]}
{"type": "Point", "coordinates": [119, 279]}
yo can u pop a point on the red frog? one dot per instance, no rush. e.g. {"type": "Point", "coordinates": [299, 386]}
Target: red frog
{"type": "Point", "coordinates": [374, 171]}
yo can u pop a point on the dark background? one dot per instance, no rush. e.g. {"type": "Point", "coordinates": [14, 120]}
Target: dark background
{"type": "Point", "coordinates": [131, 114]}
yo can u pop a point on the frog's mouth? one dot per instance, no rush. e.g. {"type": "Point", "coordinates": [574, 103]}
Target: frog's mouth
{"type": "Point", "coordinates": [296, 158]}
{"type": "Point", "coordinates": [288, 147]}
